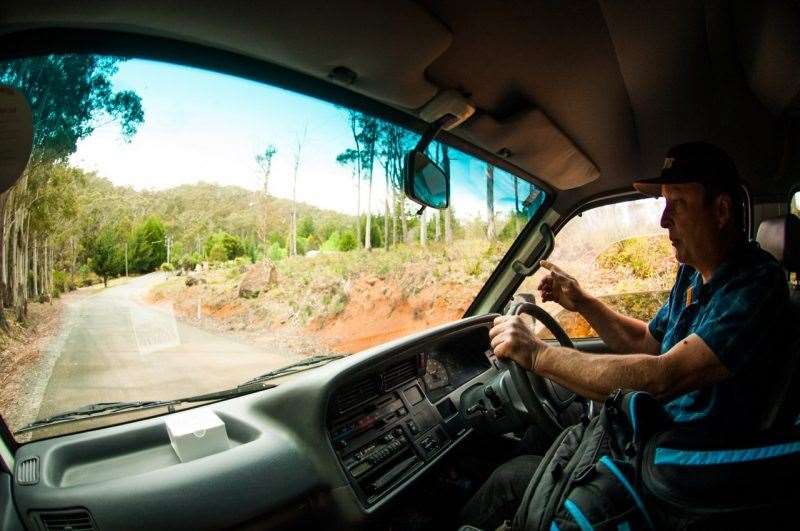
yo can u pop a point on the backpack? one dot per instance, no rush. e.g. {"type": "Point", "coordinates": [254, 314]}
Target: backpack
{"type": "Point", "coordinates": [630, 468]}
{"type": "Point", "coordinates": [588, 479]}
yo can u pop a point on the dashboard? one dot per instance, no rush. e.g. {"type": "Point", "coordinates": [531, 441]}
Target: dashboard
{"type": "Point", "coordinates": [455, 362]}
{"type": "Point", "coordinates": [387, 425]}
{"type": "Point", "coordinates": [329, 448]}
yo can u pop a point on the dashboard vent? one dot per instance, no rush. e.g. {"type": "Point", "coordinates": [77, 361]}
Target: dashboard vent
{"type": "Point", "coordinates": [28, 471]}
{"type": "Point", "coordinates": [73, 520]}
{"type": "Point", "coordinates": [399, 373]}
{"type": "Point", "coordinates": [356, 393]}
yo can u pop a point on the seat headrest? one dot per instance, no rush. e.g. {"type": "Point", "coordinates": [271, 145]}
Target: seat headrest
{"type": "Point", "coordinates": [781, 238]}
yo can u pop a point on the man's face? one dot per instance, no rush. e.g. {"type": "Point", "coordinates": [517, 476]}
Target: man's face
{"type": "Point", "coordinates": [690, 221]}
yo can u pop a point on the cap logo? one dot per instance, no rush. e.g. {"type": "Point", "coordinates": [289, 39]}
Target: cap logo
{"type": "Point", "coordinates": [668, 163]}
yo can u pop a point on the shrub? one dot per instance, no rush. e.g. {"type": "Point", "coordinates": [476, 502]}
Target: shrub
{"type": "Point", "coordinates": [218, 253]}
{"type": "Point", "coordinates": [276, 252]}
{"type": "Point", "coordinates": [474, 268]}
{"type": "Point", "coordinates": [644, 256]}
{"type": "Point", "coordinates": [332, 243]}
{"type": "Point", "coordinates": [61, 282]}
{"type": "Point", "coordinates": [187, 262]}
{"type": "Point", "coordinates": [347, 241]}
{"type": "Point", "coordinates": [166, 267]}
{"type": "Point", "coordinates": [241, 261]}
{"type": "Point", "coordinates": [312, 243]}
{"type": "Point", "coordinates": [231, 247]}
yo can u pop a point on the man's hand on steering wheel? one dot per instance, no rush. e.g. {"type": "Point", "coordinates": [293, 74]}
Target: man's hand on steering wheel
{"type": "Point", "coordinates": [512, 338]}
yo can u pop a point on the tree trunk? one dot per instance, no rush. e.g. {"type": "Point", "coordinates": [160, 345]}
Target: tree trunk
{"type": "Point", "coordinates": [35, 269]}
{"type": "Point", "coordinates": [26, 258]}
{"type": "Point", "coordinates": [358, 209]}
{"type": "Point", "coordinates": [516, 206]}
{"type": "Point", "coordinates": [3, 252]}
{"type": "Point", "coordinates": [448, 228]}
{"type": "Point", "coordinates": [394, 217]}
{"type": "Point", "coordinates": [368, 229]}
{"type": "Point", "coordinates": [437, 218]}
{"type": "Point", "coordinates": [423, 230]}
{"type": "Point", "coordinates": [490, 229]}
{"type": "Point", "coordinates": [386, 214]}
{"type": "Point", "coordinates": [403, 221]}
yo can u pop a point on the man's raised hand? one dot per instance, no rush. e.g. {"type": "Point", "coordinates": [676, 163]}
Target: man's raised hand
{"type": "Point", "coordinates": [560, 287]}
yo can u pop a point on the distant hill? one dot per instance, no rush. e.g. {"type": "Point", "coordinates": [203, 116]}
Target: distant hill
{"type": "Point", "coordinates": [191, 212]}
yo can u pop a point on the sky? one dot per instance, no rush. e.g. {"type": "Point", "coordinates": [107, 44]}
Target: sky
{"type": "Point", "coordinates": [200, 126]}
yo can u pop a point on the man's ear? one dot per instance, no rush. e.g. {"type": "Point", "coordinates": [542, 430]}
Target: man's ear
{"type": "Point", "coordinates": [723, 209]}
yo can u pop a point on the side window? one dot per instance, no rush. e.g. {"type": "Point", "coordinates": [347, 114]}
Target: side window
{"type": "Point", "coordinates": [617, 252]}
{"type": "Point", "coordinates": [794, 204]}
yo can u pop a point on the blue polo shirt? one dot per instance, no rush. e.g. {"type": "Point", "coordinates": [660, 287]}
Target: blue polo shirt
{"type": "Point", "coordinates": [741, 314]}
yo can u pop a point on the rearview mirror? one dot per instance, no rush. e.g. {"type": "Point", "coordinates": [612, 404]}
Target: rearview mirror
{"type": "Point", "coordinates": [424, 182]}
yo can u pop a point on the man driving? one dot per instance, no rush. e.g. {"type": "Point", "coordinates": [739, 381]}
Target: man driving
{"type": "Point", "coordinates": [711, 352]}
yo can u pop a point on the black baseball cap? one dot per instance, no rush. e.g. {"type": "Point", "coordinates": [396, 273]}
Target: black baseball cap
{"type": "Point", "coordinates": [694, 162]}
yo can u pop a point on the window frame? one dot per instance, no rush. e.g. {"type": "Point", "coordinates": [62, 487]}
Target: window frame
{"type": "Point", "coordinates": [596, 201]}
{"type": "Point", "coordinates": [588, 344]}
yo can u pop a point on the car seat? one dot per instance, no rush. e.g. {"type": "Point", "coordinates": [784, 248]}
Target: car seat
{"type": "Point", "coordinates": [780, 237]}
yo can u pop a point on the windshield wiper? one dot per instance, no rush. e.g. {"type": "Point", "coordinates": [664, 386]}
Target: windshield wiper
{"type": "Point", "coordinates": [250, 386]}
{"type": "Point", "coordinates": [90, 410]}
{"type": "Point", "coordinates": [302, 365]}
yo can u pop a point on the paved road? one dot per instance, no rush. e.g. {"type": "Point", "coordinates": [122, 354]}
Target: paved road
{"type": "Point", "coordinates": [116, 347]}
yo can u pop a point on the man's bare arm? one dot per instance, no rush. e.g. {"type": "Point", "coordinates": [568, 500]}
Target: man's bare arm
{"type": "Point", "coordinates": [689, 365]}
{"type": "Point", "coordinates": [621, 333]}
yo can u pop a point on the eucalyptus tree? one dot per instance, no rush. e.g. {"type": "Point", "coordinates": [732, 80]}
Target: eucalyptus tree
{"type": "Point", "coordinates": [70, 96]}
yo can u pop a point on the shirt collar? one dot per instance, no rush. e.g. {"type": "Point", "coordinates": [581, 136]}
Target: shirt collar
{"type": "Point", "coordinates": [724, 271]}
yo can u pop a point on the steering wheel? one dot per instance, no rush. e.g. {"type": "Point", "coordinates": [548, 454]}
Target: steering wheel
{"type": "Point", "coordinates": [543, 399]}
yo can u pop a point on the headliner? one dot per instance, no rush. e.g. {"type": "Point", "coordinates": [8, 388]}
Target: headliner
{"type": "Point", "coordinates": [587, 95]}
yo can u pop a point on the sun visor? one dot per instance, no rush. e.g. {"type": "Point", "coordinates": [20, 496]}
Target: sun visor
{"type": "Point", "coordinates": [380, 49]}
{"type": "Point", "coordinates": [532, 142]}
{"type": "Point", "coordinates": [16, 136]}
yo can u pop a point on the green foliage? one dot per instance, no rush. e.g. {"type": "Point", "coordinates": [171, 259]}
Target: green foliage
{"type": "Point", "coordinates": [312, 243]}
{"type": "Point", "coordinates": [644, 256]}
{"type": "Point", "coordinates": [376, 230]}
{"type": "Point", "coordinates": [148, 250]}
{"type": "Point", "coordinates": [241, 261]}
{"type": "Point", "coordinates": [301, 246]}
{"type": "Point", "coordinates": [222, 246]}
{"type": "Point", "coordinates": [332, 243]}
{"type": "Point", "coordinates": [187, 262]}
{"type": "Point", "coordinates": [515, 223]}
{"type": "Point", "coordinates": [67, 94]}
{"type": "Point", "coordinates": [474, 268]}
{"type": "Point", "coordinates": [104, 251]}
{"type": "Point", "coordinates": [62, 283]}
{"type": "Point", "coordinates": [252, 251]}
{"type": "Point", "coordinates": [306, 227]}
{"type": "Point", "coordinates": [218, 253]}
{"type": "Point", "coordinates": [642, 306]}
{"type": "Point", "coordinates": [276, 252]}
{"type": "Point", "coordinates": [347, 241]}
{"type": "Point", "coordinates": [167, 267]}
{"type": "Point", "coordinates": [340, 241]}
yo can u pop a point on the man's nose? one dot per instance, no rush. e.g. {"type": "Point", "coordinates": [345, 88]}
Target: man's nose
{"type": "Point", "coordinates": [666, 217]}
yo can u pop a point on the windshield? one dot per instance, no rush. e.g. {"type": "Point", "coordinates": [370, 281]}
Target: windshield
{"type": "Point", "coordinates": [179, 232]}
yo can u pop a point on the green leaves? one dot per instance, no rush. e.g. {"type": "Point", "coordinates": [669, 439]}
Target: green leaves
{"type": "Point", "coordinates": [105, 253]}
{"type": "Point", "coordinates": [70, 96]}
{"type": "Point", "coordinates": [148, 247]}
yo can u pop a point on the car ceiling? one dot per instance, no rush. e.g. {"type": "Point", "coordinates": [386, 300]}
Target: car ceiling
{"type": "Point", "coordinates": [586, 96]}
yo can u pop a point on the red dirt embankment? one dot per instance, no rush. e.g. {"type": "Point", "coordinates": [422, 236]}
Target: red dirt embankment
{"type": "Point", "coordinates": [377, 312]}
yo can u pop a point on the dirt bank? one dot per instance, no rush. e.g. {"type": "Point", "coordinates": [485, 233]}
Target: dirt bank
{"type": "Point", "coordinates": [25, 362]}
